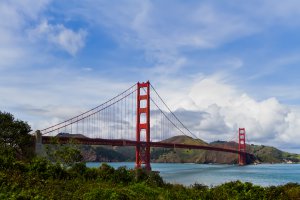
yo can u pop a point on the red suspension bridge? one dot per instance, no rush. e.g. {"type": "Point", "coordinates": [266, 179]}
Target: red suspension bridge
{"type": "Point", "coordinates": [132, 118]}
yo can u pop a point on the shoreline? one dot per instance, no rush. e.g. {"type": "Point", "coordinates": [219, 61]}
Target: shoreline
{"type": "Point", "coordinates": [216, 174]}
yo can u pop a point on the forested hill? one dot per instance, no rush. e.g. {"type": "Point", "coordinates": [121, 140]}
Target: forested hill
{"type": "Point", "coordinates": [264, 154]}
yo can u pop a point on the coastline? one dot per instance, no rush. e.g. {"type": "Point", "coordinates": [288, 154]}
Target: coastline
{"type": "Point", "coordinates": [216, 174]}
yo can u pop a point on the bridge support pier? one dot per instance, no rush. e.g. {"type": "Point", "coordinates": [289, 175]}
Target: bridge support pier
{"type": "Point", "coordinates": [142, 152]}
{"type": "Point", "coordinates": [38, 143]}
{"type": "Point", "coordinates": [242, 146]}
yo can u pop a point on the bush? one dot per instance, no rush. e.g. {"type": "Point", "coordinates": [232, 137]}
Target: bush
{"type": "Point", "coordinates": [123, 176]}
{"type": "Point", "coordinates": [91, 174]}
{"type": "Point", "coordinates": [106, 172]}
{"type": "Point", "coordinates": [154, 179]}
{"type": "Point", "coordinates": [78, 169]}
{"type": "Point", "coordinates": [99, 193]}
{"type": "Point", "coordinates": [199, 186]}
{"type": "Point", "coordinates": [140, 175]}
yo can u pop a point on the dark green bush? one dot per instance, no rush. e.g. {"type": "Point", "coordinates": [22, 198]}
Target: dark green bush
{"type": "Point", "coordinates": [78, 169]}
{"type": "Point", "coordinates": [106, 172]}
{"type": "Point", "coordinates": [99, 193]}
{"type": "Point", "coordinates": [154, 179]}
{"type": "Point", "coordinates": [122, 175]}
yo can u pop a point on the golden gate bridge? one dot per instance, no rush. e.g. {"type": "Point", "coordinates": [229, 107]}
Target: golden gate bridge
{"type": "Point", "coordinates": [132, 118]}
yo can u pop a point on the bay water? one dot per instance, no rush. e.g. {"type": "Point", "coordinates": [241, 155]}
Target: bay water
{"type": "Point", "coordinates": [213, 174]}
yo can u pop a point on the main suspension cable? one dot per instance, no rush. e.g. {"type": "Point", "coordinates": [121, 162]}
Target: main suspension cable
{"type": "Point", "coordinates": [84, 117]}
{"type": "Point", "coordinates": [173, 113]}
{"type": "Point", "coordinates": [90, 109]}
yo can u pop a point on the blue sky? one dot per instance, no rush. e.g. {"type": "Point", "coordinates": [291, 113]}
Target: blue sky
{"type": "Point", "coordinates": [238, 62]}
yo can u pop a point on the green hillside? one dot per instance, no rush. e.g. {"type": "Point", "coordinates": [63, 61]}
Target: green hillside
{"type": "Point", "coordinates": [182, 139]}
{"type": "Point", "coordinates": [178, 155]}
{"type": "Point", "coordinates": [272, 155]}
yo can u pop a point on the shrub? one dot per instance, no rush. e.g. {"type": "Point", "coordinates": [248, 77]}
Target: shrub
{"type": "Point", "coordinates": [78, 169]}
{"type": "Point", "coordinates": [154, 179]}
{"type": "Point", "coordinates": [99, 193]}
{"type": "Point", "coordinates": [122, 175]}
{"type": "Point", "coordinates": [105, 172]}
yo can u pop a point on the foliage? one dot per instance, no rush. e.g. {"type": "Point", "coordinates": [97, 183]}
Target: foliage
{"type": "Point", "coordinates": [15, 140]}
{"type": "Point", "coordinates": [109, 154]}
{"type": "Point", "coordinates": [64, 154]}
{"type": "Point", "coordinates": [42, 179]}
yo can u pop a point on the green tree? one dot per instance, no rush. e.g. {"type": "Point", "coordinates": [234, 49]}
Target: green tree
{"type": "Point", "coordinates": [65, 154]}
{"type": "Point", "coordinates": [15, 140]}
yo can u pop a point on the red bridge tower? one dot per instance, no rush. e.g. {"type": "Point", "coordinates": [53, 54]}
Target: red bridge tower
{"type": "Point", "coordinates": [142, 150]}
{"type": "Point", "coordinates": [242, 146]}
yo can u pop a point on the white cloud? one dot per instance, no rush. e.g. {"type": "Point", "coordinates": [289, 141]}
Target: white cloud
{"type": "Point", "coordinates": [67, 39]}
{"type": "Point", "coordinates": [165, 32]}
{"type": "Point", "coordinates": [17, 19]}
{"type": "Point", "coordinates": [208, 91]}
{"type": "Point", "coordinates": [227, 109]}
{"type": "Point", "coordinates": [13, 46]}
{"type": "Point", "coordinates": [16, 50]}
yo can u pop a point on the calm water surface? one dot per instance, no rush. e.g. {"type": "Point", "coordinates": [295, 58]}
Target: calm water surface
{"type": "Point", "coordinates": [187, 174]}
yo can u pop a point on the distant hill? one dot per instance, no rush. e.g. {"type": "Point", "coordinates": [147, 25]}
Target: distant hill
{"type": "Point", "coordinates": [263, 154]}
{"type": "Point", "coordinates": [182, 139]}
{"type": "Point", "coordinates": [178, 155]}
{"type": "Point", "coordinates": [69, 135]}
{"type": "Point", "coordinates": [192, 155]}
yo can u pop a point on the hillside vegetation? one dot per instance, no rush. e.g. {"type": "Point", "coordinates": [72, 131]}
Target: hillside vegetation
{"type": "Point", "coordinates": [263, 154]}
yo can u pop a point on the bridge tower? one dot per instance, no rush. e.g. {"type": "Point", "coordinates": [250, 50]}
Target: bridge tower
{"type": "Point", "coordinates": [142, 150]}
{"type": "Point", "coordinates": [242, 146]}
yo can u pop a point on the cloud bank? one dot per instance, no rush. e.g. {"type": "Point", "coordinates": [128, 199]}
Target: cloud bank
{"type": "Point", "coordinates": [226, 109]}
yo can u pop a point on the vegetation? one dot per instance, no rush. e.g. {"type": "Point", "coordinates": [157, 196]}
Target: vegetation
{"type": "Point", "coordinates": [41, 179]}
{"type": "Point", "coordinates": [105, 154]}
{"type": "Point", "coordinates": [273, 155]}
{"type": "Point", "coordinates": [15, 140]}
{"type": "Point", "coordinates": [64, 154]}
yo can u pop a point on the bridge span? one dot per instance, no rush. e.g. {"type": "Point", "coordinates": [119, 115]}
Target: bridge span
{"type": "Point", "coordinates": [121, 142]}
{"type": "Point", "coordinates": [125, 121]}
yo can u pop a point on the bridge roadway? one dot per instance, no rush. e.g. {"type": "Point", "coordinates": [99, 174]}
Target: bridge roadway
{"type": "Point", "coordinates": [120, 142]}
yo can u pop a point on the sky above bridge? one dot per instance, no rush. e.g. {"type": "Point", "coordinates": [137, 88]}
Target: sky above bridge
{"type": "Point", "coordinates": [220, 65]}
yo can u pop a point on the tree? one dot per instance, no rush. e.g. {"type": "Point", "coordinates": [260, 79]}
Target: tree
{"type": "Point", "coordinates": [65, 154]}
{"type": "Point", "coordinates": [15, 139]}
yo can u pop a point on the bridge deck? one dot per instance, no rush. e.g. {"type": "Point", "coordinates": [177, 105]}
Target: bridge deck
{"type": "Point", "coordinates": [120, 142]}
